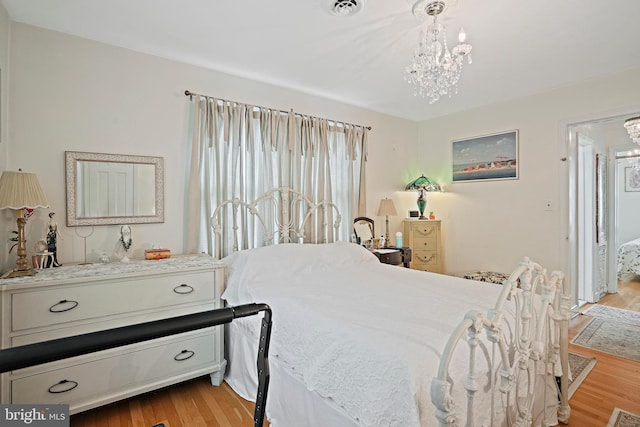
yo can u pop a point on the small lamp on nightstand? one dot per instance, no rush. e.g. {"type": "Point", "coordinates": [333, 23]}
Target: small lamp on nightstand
{"type": "Point", "coordinates": [20, 190]}
{"type": "Point", "coordinates": [387, 209]}
{"type": "Point", "coordinates": [422, 184]}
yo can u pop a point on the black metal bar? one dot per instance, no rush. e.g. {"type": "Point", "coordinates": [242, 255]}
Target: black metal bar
{"type": "Point", "coordinates": [263, 356]}
{"type": "Point", "coordinates": [263, 369]}
{"type": "Point", "coordinates": [62, 348]}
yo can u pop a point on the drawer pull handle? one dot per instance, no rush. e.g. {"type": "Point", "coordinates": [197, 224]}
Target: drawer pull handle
{"type": "Point", "coordinates": [63, 386]}
{"type": "Point", "coordinates": [426, 231]}
{"type": "Point", "coordinates": [426, 259]}
{"type": "Point", "coordinates": [184, 355]}
{"type": "Point", "coordinates": [62, 306]}
{"type": "Point", "coordinates": [183, 289]}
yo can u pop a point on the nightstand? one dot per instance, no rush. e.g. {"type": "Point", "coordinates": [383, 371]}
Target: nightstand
{"type": "Point", "coordinates": [423, 236]}
{"type": "Point", "coordinates": [394, 256]}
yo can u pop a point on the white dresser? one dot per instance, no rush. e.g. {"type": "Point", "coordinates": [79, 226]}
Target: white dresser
{"type": "Point", "coordinates": [72, 300]}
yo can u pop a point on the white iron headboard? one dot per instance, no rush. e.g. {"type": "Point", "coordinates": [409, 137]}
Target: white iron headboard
{"type": "Point", "coordinates": [281, 215]}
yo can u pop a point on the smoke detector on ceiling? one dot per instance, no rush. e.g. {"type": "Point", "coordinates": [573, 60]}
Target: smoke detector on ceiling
{"type": "Point", "coordinates": [345, 7]}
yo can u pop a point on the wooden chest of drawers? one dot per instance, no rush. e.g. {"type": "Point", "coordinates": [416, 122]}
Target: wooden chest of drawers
{"type": "Point", "coordinates": [424, 239]}
{"type": "Point", "coordinates": [73, 300]}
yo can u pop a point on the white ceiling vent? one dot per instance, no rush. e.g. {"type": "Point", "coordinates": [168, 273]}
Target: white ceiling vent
{"type": "Point", "coordinates": [345, 7]}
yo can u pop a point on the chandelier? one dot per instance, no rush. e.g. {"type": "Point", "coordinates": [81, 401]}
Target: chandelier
{"type": "Point", "coordinates": [434, 70]}
{"type": "Point", "coordinates": [633, 127]}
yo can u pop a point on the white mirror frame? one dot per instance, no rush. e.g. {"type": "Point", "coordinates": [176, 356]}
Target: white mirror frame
{"type": "Point", "coordinates": [71, 163]}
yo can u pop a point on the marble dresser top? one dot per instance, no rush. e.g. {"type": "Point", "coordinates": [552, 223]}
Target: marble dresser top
{"type": "Point", "coordinates": [73, 272]}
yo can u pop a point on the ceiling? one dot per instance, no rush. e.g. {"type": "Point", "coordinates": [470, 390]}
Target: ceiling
{"type": "Point", "coordinates": [520, 47]}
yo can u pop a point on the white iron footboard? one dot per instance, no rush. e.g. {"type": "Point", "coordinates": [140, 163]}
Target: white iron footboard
{"type": "Point", "coordinates": [528, 381]}
{"type": "Point", "coordinates": [285, 215]}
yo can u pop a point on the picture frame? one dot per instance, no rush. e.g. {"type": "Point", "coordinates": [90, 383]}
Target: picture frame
{"type": "Point", "coordinates": [631, 179]}
{"type": "Point", "coordinates": [485, 158]}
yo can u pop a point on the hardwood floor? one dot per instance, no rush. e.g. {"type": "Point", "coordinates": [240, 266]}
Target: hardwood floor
{"type": "Point", "coordinates": [194, 403]}
{"type": "Point", "coordinates": [613, 382]}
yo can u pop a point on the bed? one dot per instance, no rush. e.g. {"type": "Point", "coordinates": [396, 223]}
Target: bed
{"type": "Point", "coordinates": [629, 259]}
{"type": "Point", "coordinates": [360, 343]}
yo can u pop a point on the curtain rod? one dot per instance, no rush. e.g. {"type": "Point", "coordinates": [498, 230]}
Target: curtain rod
{"type": "Point", "coordinates": [191, 94]}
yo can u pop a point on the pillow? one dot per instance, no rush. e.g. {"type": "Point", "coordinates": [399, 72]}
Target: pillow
{"type": "Point", "coordinates": [253, 267]}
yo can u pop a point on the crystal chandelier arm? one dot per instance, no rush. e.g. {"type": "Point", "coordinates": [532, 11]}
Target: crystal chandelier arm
{"type": "Point", "coordinates": [633, 128]}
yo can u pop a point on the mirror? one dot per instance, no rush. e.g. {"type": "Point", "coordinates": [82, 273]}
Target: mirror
{"type": "Point", "coordinates": [106, 189]}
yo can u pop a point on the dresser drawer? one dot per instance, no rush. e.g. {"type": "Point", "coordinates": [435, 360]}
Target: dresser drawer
{"type": "Point", "coordinates": [424, 230]}
{"type": "Point", "coordinates": [44, 307]}
{"type": "Point", "coordinates": [110, 375]}
{"type": "Point", "coordinates": [422, 259]}
{"type": "Point", "coordinates": [425, 244]}
{"type": "Point", "coordinates": [393, 258]}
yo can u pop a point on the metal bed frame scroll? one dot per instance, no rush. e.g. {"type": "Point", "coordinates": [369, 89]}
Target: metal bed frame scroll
{"type": "Point", "coordinates": [49, 351]}
{"type": "Point", "coordinates": [526, 357]}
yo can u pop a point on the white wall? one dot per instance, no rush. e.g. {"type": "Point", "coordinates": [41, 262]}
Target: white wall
{"type": "Point", "coordinates": [4, 69]}
{"type": "Point", "coordinates": [75, 94]}
{"type": "Point", "coordinates": [7, 217]}
{"type": "Point", "coordinates": [628, 227]}
{"type": "Point", "coordinates": [492, 225]}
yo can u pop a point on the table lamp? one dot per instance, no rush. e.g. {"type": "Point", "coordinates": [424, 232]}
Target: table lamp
{"type": "Point", "coordinates": [20, 190]}
{"type": "Point", "coordinates": [387, 209]}
{"type": "Point", "coordinates": [422, 184]}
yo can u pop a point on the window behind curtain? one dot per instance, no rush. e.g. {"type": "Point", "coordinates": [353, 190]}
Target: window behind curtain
{"type": "Point", "coordinates": [242, 151]}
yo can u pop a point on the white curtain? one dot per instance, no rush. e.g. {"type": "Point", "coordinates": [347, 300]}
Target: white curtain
{"type": "Point", "coordinates": [241, 151]}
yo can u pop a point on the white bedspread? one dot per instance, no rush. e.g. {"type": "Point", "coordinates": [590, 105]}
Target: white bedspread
{"type": "Point", "coordinates": [364, 334]}
{"type": "Point", "coordinates": [629, 258]}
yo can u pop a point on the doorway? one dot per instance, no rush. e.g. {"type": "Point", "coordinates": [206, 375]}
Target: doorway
{"type": "Point", "coordinates": [593, 246]}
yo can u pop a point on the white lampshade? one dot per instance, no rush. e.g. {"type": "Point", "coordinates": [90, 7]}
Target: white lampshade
{"type": "Point", "coordinates": [20, 190]}
{"type": "Point", "coordinates": [387, 208]}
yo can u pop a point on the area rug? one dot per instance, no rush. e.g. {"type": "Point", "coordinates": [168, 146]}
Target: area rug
{"type": "Point", "coordinates": [579, 366]}
{"type": "Point", "coordinates": [620, 418]}
{"type": "Point", "coordinates": [612, 337]}
{"type": "Point", "coordinates": [612, 313]}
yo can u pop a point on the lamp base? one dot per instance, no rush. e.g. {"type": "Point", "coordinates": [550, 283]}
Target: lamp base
{"type": "Point", "coordinates": [22, 268]}
{"type": "Point", "coordinates": [422, 204]}
{"type": "Point", "coordinates": [18, 273]}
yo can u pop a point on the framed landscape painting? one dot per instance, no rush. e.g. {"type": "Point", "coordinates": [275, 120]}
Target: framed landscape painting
{"type": "Point", "coordinates": [484, 158]}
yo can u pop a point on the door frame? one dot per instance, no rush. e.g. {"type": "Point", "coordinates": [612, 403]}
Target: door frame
{"type": "Point", "coordinates": [568, 151]}
{"type": "Point", "coordinates": [585, 218]}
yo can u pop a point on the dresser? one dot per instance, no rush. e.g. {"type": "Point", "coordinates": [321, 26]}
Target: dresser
{"type": "Point", "coordinates": [425, 240]}
{"type": "Point", "coordinates": [72, 300]}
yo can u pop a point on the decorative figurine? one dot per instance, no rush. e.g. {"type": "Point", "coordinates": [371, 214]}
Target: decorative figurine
{"type": "Point", "coordinates": [52, 236]}
{"type": "Point", "coordinates": [125, 239]}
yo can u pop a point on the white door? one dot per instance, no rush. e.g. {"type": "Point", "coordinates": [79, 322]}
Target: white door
{"type": "Point", "coordinates": [586, 214]}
